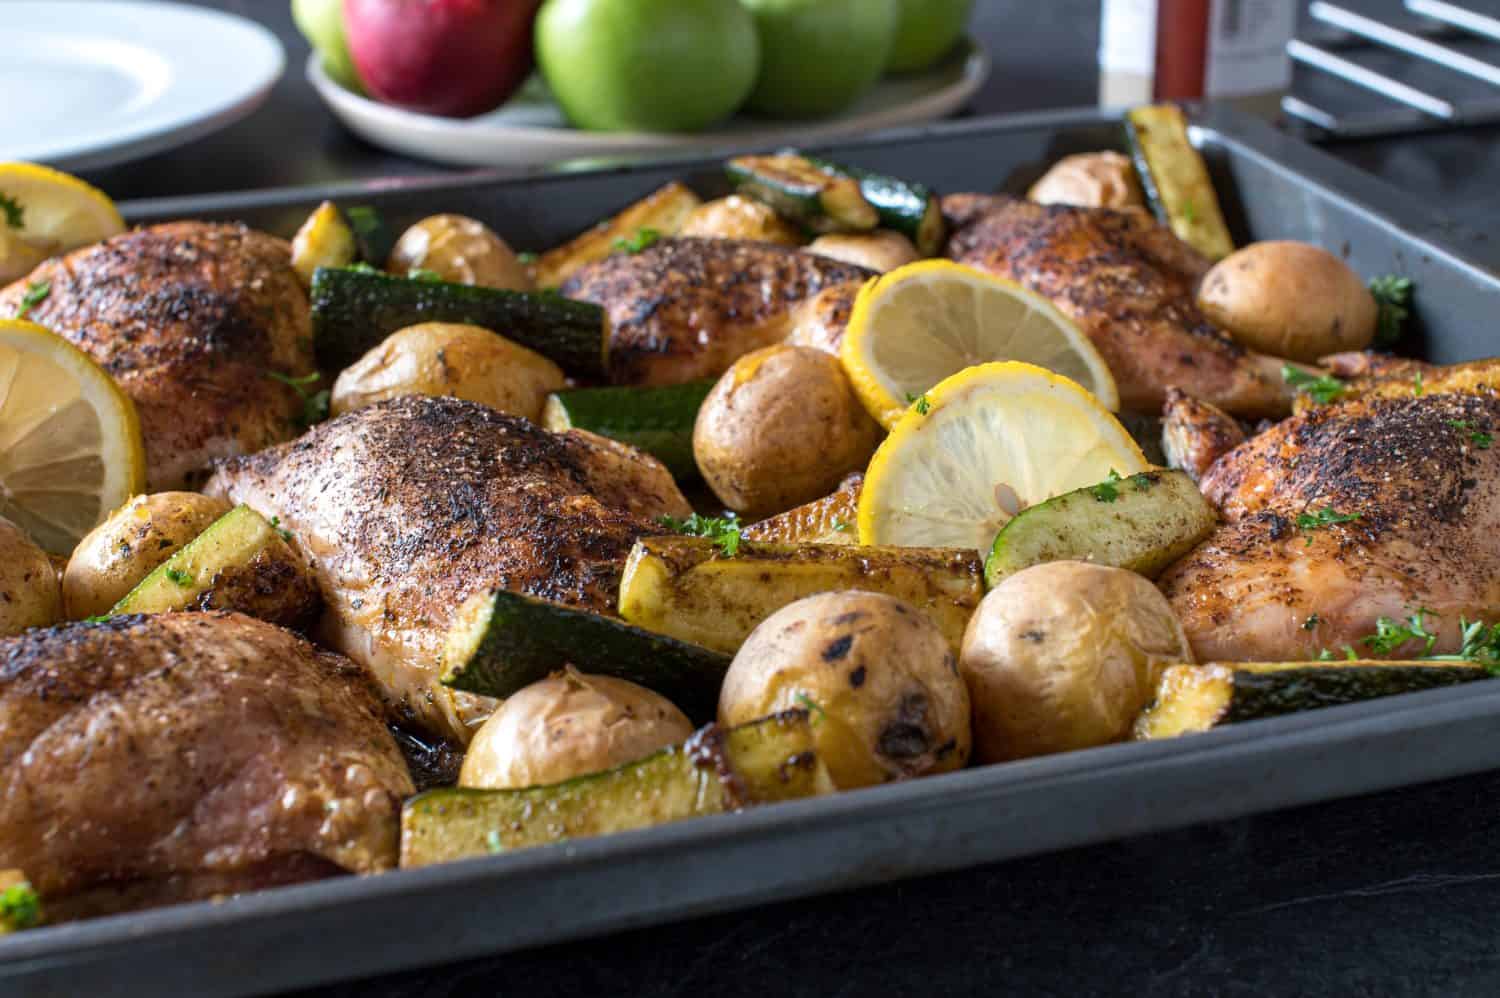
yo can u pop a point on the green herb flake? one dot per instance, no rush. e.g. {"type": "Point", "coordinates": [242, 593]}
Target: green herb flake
{"type": "Point", "coordinates": [1478, 438]}
{"type": "Point", "coordinates": [36, 293]}
{"type": "Point", "coordinates": [15, 215]}
{"type": "Point", "coordinates": [1312, 621]}
{"type": "Point", "coordinates": [286, 535]}
{"type": "Point", "coordinates": [1189, 212]}
{"type": "Point", "coordinates": [20, 907]}
{"type": "Point", "coordinates": [922, 403]}
{"type": "Point", "coordinates": [1480, 644]}
{"type": "Point", "coordinates": [183, 579]}
{"type": "Point", "coordinates": [1350, 654]}
{"type": "Point", "coordinates": [360, 267]}
{"type": "Point", "coordinates": [1308, 522]}
{"type": "Point", "coordinates": [1324, 388]}
{"type": "Point", "coordinates": [97, 618]}
{"type": "Point", "coordinates": [1325, 655]}
{"type": "Point", "coordinates": [314, 404]}
{"type": "Point", "coordinates": [1107, 490]}
{"type": "Point", "coordinates": [1392, 634]}
{"type": "Point", "coordinates": [812, 706]}
{"type": "Point", "coordinates": [493, 843]}
{"type": "Point", "coordinates": [1393, 297]}
{"type": "Point", "coordinates": [527, 257]}
{"type": "Point", "coordinates": [424, 275]}
{"type": "Point", "coordinates": [842, 526]}
{"type": "Point", "coordinates": [724, 531]}
{"type": "Point", "coordinates": [1416, 384]}
{"type": "Point", "coordinates": [643, 239]}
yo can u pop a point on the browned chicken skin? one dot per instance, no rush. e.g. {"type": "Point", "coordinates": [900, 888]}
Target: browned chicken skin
{"type": "Point", "coordinates": [1416, 472]}
{"type": "Point", "coordinates": [1129, 284]}
{"type": "Point", "coordinates": [164, 758]}
{"type": "Point", "coordinates": [688, 308]}
{"type": "Point", "coordinates": [1195, 434]}
{"type": "Point", "coordinates": [1385, 376]}
{"type": "Point", "coordinates": [409, 506]}
{"type": "Point", "coordinates": [191, 319]}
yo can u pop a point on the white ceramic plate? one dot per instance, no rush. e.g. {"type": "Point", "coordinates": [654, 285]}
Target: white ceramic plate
{"type": "Point", "coordinates": [530, 130]}
{"type": "Point", "coordinates": [87, 83]}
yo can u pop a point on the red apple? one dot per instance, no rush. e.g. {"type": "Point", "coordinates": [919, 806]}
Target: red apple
{"type": "Point", "coordinates": [450, 57]}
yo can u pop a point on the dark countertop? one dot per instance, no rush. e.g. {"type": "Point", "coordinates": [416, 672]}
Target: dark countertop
{"type": "Point", "coordinates": [1381, 895]}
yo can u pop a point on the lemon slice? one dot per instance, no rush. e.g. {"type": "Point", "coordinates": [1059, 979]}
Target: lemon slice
{"type": "Point", "coordinates": [56, 212]}
{"type": "Point", "coordinates": [70, 445]}
{"type": "Point", "coordinates": [929, 320]}
{"type": "Point", "coordinates": [993, 439]}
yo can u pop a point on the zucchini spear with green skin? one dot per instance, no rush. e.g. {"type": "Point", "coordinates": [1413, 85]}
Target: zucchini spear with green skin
{"type": "Point", "coordinates": [715, 771]}
{"type": "Point", "coordinates": [354, 310]}
{"type": "Point", "coordinates": [1175, 178]}
{"type": "Point", "coordinates": [658, 421]}
{"type": "Point", "coordinates": [1192, 698]}
{"type": "Point", "coordinates": [501, 641]}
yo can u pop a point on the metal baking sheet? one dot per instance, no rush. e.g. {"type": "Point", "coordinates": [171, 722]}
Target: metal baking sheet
{"type": "Point", "coordinates": [294, 937]}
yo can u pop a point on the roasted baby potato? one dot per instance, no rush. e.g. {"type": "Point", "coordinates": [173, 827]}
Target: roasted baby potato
{"type": "Point", "coordinates": [877, 675]}
{"type": "Point", "coordinates": [1289, 300]}
{"type": "Point", "coordinates": [128, 546]}
{"type": "Point", "coordinates": [29, 592]}
{"type": "Point", "coordinates": [1090, 179]}
{"type": "Point", "coordinates": [568, 725]}
{"type": "Point", "coordinates": [880, 251]}
{"type": "Point", "coordinates": [461, 250]}
{"type": "Point", "coordinates": [1064, 656]}
{"type": "Point", "coordinates": [737, 217]}
{"type": "Point", "coordinates": [781, 427]}
{"type": "Point", "coordinates": [442, 358]}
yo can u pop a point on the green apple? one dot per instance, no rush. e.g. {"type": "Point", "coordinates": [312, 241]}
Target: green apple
{"type": "Point", "coordinates": [819, 56]}
{"type": "Point", "coordinates": [928, 31]}
{"type": "Point", "coordinates": [322, 24]}
{"type": "Point", "coordinates": [647, 65]}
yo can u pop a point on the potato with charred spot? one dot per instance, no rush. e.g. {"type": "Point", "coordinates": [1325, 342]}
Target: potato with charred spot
{"type": "Point", "coordinates": [129, 544]}
{"type": "Point", "coordinates": [881, 683]}
{"type": "Point", "coordinates": [30, 595]}
{"type": "Point", "coordinates": [1064, 656]}
{"type": "Point", "coordinates": [568, 725]}
{"type": "Point", "coordinates": [1091, 180]}
{"type": "Point", "coordinates": [782, 427]}
{"type": "Point", "coordinates": [881, 251]}
{"type": "Point", "coordinates": [737, 217]}
{"type": "Point", "coordinates": [460, 250]}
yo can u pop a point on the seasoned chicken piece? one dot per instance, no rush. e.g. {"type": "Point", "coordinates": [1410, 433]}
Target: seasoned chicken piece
{"type": "Point", "coordinates": [1384, 376]}
{"type": "Point", "coordinates": [1195, 434]}
{"type": "Point", "coordinates": [409, 506]}
{"type": "Point", "coordinates": [1420, 488]}
{"type": "Point", "coordinates": [1129, 284]}
{"type": "Point", "coordinates": [193, 320]}
{"type": "Point", "coordinates": [153, 759]}
{"type": "Point", "coordinates": [685, 309]}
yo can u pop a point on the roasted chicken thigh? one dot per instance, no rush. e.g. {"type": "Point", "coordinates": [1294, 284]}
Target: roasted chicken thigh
{"type": "Point", "coordinates": [147, 760]}
{"type": "Point", "coordinates": [195, 321]}
{"type": "Point", "coordinates": [409, 506]}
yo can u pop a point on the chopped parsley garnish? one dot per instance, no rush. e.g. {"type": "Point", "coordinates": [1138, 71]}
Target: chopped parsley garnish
{"type": "Point", "coordinates": [15, 215]}
{"type": "Point", "coordinates": [1308, 522]}
{"type": "Point", "coordinates": [314, 404]}
{"type": "Point", "coordinates": [1107, 490]}
{"type": "Point", "coordinates": [922, 402]}
{"type": "Point", "coordinates": [1478, 438]}
{"type": "Point", "coordinates": [1416, 384]}
{"type": "Point", "coordinates": [1481, 644]}
{"type": "Point", "coordinates": [1312, 621]}
{"type": "Point", "coordinates": [1393, 295]}
{"type": "Point", "coordinates": [20, 907]}
{"type": "Point", "coordinates": [842, 526]}
{"type": "Point", "coordinates": [1392, 634]}
{"type": "Point", "coordinates": [97, 618]}
{"type": "Point", "coordinates": [642, 240]}
{"type": "Point", "coordinates": [360, 267]}
{"type": "Point", "coordinates": [36, 293]}
{"type": "Point", "coordinates": [286, 535]}
{"type": "Point", "coordinates": [365, 221]}
{"type": "Point", "coordinates": [1323, 388]}
{"type": "Point", "coordinates": [527, 257]}
{"type": "Point", "coordinates": [492, 842]}
{"type": "Point", "coordinates": [1189, 212]}
{"type": "Point", "coordinates": [722, 530]}
{"type": "Point", "coordinates": [425, 275]}
{"type": "Point", "coordinates": [811, 706]}
{"type": "Point", "coordinates": [183, 579]}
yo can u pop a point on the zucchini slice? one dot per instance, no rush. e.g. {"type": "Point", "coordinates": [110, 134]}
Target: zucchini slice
{"type": "Point", "coordinates": [1175, 178]}
{"type": "Point", "coordinates": [715, 771]}
{"type": "Point", "coordinates": [242, 562]}
{"type": "Point", "coordinates": [910, 209]}
{"type": "Point", "coordinates": [373, 238]}
{"type": "Point", "coordinates": [353, 310]}
{"type": "Point", "coordinates": [501, 641]}
{"type": "Point", "coordinates": [829, 520]}
{"type": "Point", "coordinates": [1192, 698]}
{"type": "Point", "coordinates": [804, 192]}
{"type": "Point", "coordinates": [1143, 523]}
{"type": "Point", "coordinates": [685, 588]}
{"type": "Point", "coordinates": [658, 421]}
{"type": "Point", "coordinates": [664, 211]}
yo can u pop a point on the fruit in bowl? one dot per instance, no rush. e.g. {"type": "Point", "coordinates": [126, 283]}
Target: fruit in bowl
{"type": "Point", "coordinates": [819, 56]}
{"type": "Point", "coordinates": [647, 65]}
{"type": "Point", "coordinates": [450, 57]}
{"type": "Point", "coordinates": [927, 31]}
{"type": "Point", "coordinates": [322, 24]}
